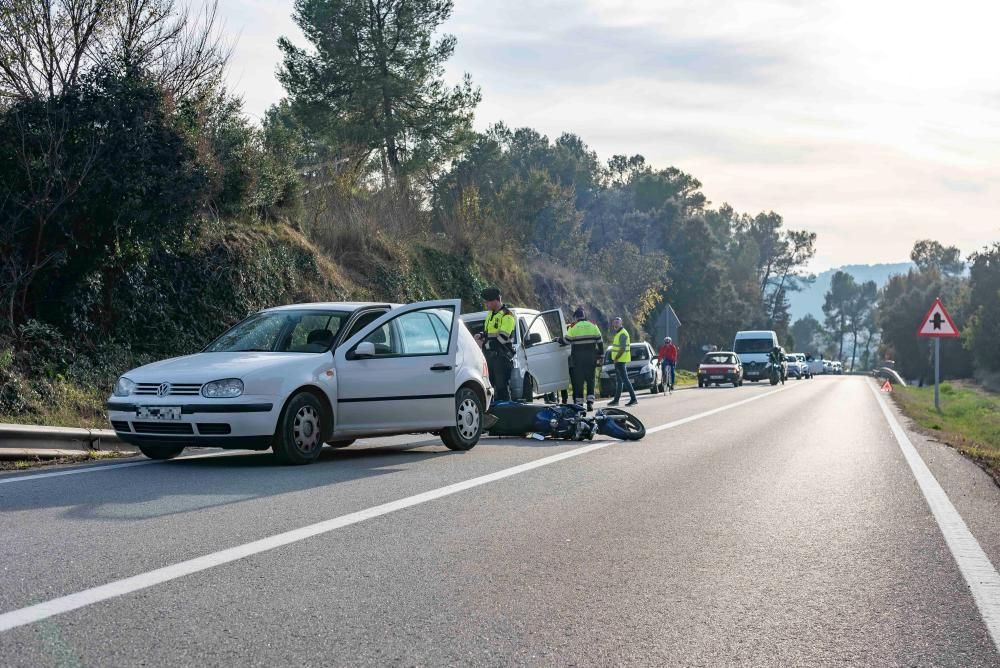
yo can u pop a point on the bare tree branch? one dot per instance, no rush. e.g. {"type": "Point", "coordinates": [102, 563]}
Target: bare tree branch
{"type": "Point", "coordinates": [46, 45]}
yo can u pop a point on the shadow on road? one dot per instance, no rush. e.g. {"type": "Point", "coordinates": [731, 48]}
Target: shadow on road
{"type": "Point", "coordinates": [192, 484]}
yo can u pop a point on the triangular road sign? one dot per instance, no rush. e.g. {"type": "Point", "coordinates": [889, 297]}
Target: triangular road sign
{"type": "Point", "coordinates": [887, 386]}
{"type": "Point", "coordinates": [938, 323]}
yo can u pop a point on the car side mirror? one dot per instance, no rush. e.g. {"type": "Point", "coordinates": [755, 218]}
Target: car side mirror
{"type": "Point", "coordinates": [363, 350]}
{"type": "Point", "coordinates": [533, 339]}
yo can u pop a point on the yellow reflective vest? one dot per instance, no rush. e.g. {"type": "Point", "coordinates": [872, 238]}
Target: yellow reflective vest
{"type": "Point", "coordinates": [621, 342]}
{"type": "Point", "coordinates": [499, 330]}
{"type": "Point", "coordinates": [585, 336]}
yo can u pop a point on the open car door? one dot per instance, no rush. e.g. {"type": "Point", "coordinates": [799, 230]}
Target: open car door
{"type": "Point", "coordinates": [547, 358]}
{"type": "Point", "coordinates": [398, 373]}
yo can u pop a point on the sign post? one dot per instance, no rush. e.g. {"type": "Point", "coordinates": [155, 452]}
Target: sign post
{"type": "Point", "coordinates": [938, 325]}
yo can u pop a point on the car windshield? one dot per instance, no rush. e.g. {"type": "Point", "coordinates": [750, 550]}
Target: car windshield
{"type": "Point", "coordinates": [293, 331]}
{"type": "Point", "coordinates": [754, 345]}
{"type": "Point", "coordinates": [716, 358]}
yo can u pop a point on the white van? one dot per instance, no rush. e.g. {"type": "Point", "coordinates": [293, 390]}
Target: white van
{"type": "Point", "coordinates": [541, 362]}
{"type": "Point", "coordinates": [753, 347]}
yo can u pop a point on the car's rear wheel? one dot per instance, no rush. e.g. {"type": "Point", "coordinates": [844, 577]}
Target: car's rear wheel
{"type": "Point", "coordinates": [161, 451]}
{"type": "Point", "coordinates": [468, 423]}
{"type": "Point", "coordinates": [299, 438]}
{"type": "Point", "coordinates": [527, 389]}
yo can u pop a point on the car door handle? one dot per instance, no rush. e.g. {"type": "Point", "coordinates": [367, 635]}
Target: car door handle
{"type": "Point", "coordinates": [441, 367]}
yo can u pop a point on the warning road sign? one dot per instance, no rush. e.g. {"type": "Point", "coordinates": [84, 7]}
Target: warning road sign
{"type": "Point", "coordinates": [887, 386]}
{"type": "Point", "coordinates": [938, 323]}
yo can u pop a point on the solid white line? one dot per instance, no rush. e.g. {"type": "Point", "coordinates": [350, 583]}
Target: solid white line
{"type": "Point", "coordinates": [108, 467]}
{"type": "Point", "coordinates": [40, 611]}
{"type": "Point", "coordinates": [975, 566]}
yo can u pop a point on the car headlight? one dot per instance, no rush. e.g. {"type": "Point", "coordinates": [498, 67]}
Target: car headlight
{"type": "Point", "coordinates": [222, 389]}
{"type": "Point", "coordinates": [124, 387]}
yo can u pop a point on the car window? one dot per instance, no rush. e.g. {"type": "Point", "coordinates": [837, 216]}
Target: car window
{"type": "Point", "coordinates": [717, 358]}
{"type": "Point", "coordinates": [540, 327]}
{"type": "Point", "coordinates": [639, 352]}
{"type": "Point", "coordinates": [424, 332]}
{"type": "Point", "coordinates": [312, 333]}
{"type": "Point", "coordinates": [363, 321]}
{"type": "Point", "coordinates": [754, 345]}
{"type": "Point", "coordinates": [305, 331]}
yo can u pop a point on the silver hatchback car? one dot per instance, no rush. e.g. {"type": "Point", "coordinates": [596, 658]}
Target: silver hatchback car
{"type": "Point", "coordinates": [295, 377]}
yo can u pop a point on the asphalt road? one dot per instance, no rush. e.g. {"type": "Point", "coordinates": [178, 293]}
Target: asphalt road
{"type": "Point", "coordinates": [781, 528]}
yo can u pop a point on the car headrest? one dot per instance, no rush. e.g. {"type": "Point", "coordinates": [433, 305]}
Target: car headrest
{"type": "Point", "coordinates": [321, 336]}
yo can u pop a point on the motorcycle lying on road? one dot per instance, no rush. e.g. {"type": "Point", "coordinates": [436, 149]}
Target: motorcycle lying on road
{"type": "Point", "coordinates": [565, 421]}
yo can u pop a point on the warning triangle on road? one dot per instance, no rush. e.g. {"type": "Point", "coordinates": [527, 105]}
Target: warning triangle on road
{"type": "Point", "coordinates": [886, 386]}
{"type": "Point", "coordinates": [938, 323]}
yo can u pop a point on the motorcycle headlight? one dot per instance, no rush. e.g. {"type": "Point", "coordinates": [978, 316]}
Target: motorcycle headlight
{"type": "Point", "coordinates": [124, 387]}
{"type": "Point", "coordinates": [222, 389]}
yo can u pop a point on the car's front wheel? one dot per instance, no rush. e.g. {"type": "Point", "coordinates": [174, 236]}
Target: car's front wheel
{"type": "Point", "coordinates": [468, 423]}
{"type": "Point", "coordinates": [161, 451]}
{"type": "Point", "coordinates": [299, 438]}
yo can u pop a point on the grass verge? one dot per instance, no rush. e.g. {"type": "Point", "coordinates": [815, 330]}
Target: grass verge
{"type": "Point", "coordinates": [969, 419]}
{"type": "Point", "coordinates": [38, 462]}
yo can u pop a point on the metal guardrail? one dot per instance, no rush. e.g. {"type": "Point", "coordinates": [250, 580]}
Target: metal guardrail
{"type": "Point", "coordinates": [19, 439]}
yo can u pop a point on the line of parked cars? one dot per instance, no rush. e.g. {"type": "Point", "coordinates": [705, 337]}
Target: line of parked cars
{"type": "Point", "coordinates": [750, 360]}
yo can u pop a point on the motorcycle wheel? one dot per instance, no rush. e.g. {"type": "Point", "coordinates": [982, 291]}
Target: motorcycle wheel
{"type": "Point", "coordinates": [628, 429]}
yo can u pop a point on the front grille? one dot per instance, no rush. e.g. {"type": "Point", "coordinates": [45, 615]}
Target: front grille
{"type": "Point", "coordinates": [162, 427]}
{"type": "Point", "coordinates": [120, 425]}
{"type": "Point", "coordinates": [175, 389]}
{"type": "Point", "coordinates": [213, 428]}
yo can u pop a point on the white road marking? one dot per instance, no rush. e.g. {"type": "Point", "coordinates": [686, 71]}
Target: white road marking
{"type": "Point", "coordinates": [975, 566]}
{"type": "Point", "coordinates": [109, 467]}
{"type": "Point", "coordinates": [692, 418]}
{"type": "Point", "coordinates": [40, 611]}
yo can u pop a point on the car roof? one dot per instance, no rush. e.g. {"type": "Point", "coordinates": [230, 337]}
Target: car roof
{"type": "Point", "coordinates": [516, 310]}
{"type": "Point", "coordinates": [746, 334]}
{"type": "Point", "coordinates": [350, 307]}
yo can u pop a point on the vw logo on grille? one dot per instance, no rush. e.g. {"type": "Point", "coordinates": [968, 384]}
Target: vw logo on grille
{"type": "Point", "coordinates": [163, 389]}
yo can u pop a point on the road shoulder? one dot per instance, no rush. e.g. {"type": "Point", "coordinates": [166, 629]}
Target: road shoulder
{"type": "Point", "coordinates": [971, 490]}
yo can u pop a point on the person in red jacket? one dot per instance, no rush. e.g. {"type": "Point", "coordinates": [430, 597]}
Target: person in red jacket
{"type": "Point", "coordinates": [668, 361]}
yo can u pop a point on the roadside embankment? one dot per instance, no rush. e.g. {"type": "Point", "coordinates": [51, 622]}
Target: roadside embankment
{"type": "Point", "coordinates": [969, 420]}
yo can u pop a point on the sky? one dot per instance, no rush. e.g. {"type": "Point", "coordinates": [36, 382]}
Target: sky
{"type": "Point", "coordinates": [872, 123]}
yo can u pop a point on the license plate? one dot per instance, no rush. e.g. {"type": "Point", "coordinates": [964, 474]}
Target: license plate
{"type": "Point", "coordinates": [716, 377]}
{"type": "Point", "coordinates": [158, 412]}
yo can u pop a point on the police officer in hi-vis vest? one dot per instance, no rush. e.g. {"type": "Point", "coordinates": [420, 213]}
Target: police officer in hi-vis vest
{"type": "Point", "coordinates": [586, 354]}
{"type": "Point", "coordinates": [499, 346]}
{"type": "Point", "coordinates": [621, 355]}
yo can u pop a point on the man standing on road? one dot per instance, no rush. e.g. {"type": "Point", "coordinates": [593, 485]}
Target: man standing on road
{"type": "Point", "coordinates": [668, 361]}
{"type": "Point", "coordinates": [621, 355]}
{"type": "Point", "coordinates": [587, 351]}
{"type": "Point", "coordinates": [499, 346]}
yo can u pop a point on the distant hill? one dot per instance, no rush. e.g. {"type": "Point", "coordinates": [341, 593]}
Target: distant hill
{"type": "Point", "coordinates": [811, 299]}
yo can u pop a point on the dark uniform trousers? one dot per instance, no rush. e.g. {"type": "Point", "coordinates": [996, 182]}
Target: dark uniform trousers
{"type": "Point", "coordinates": [583, 368]}
{"type": "Point", "coordinates": [500, 366]}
